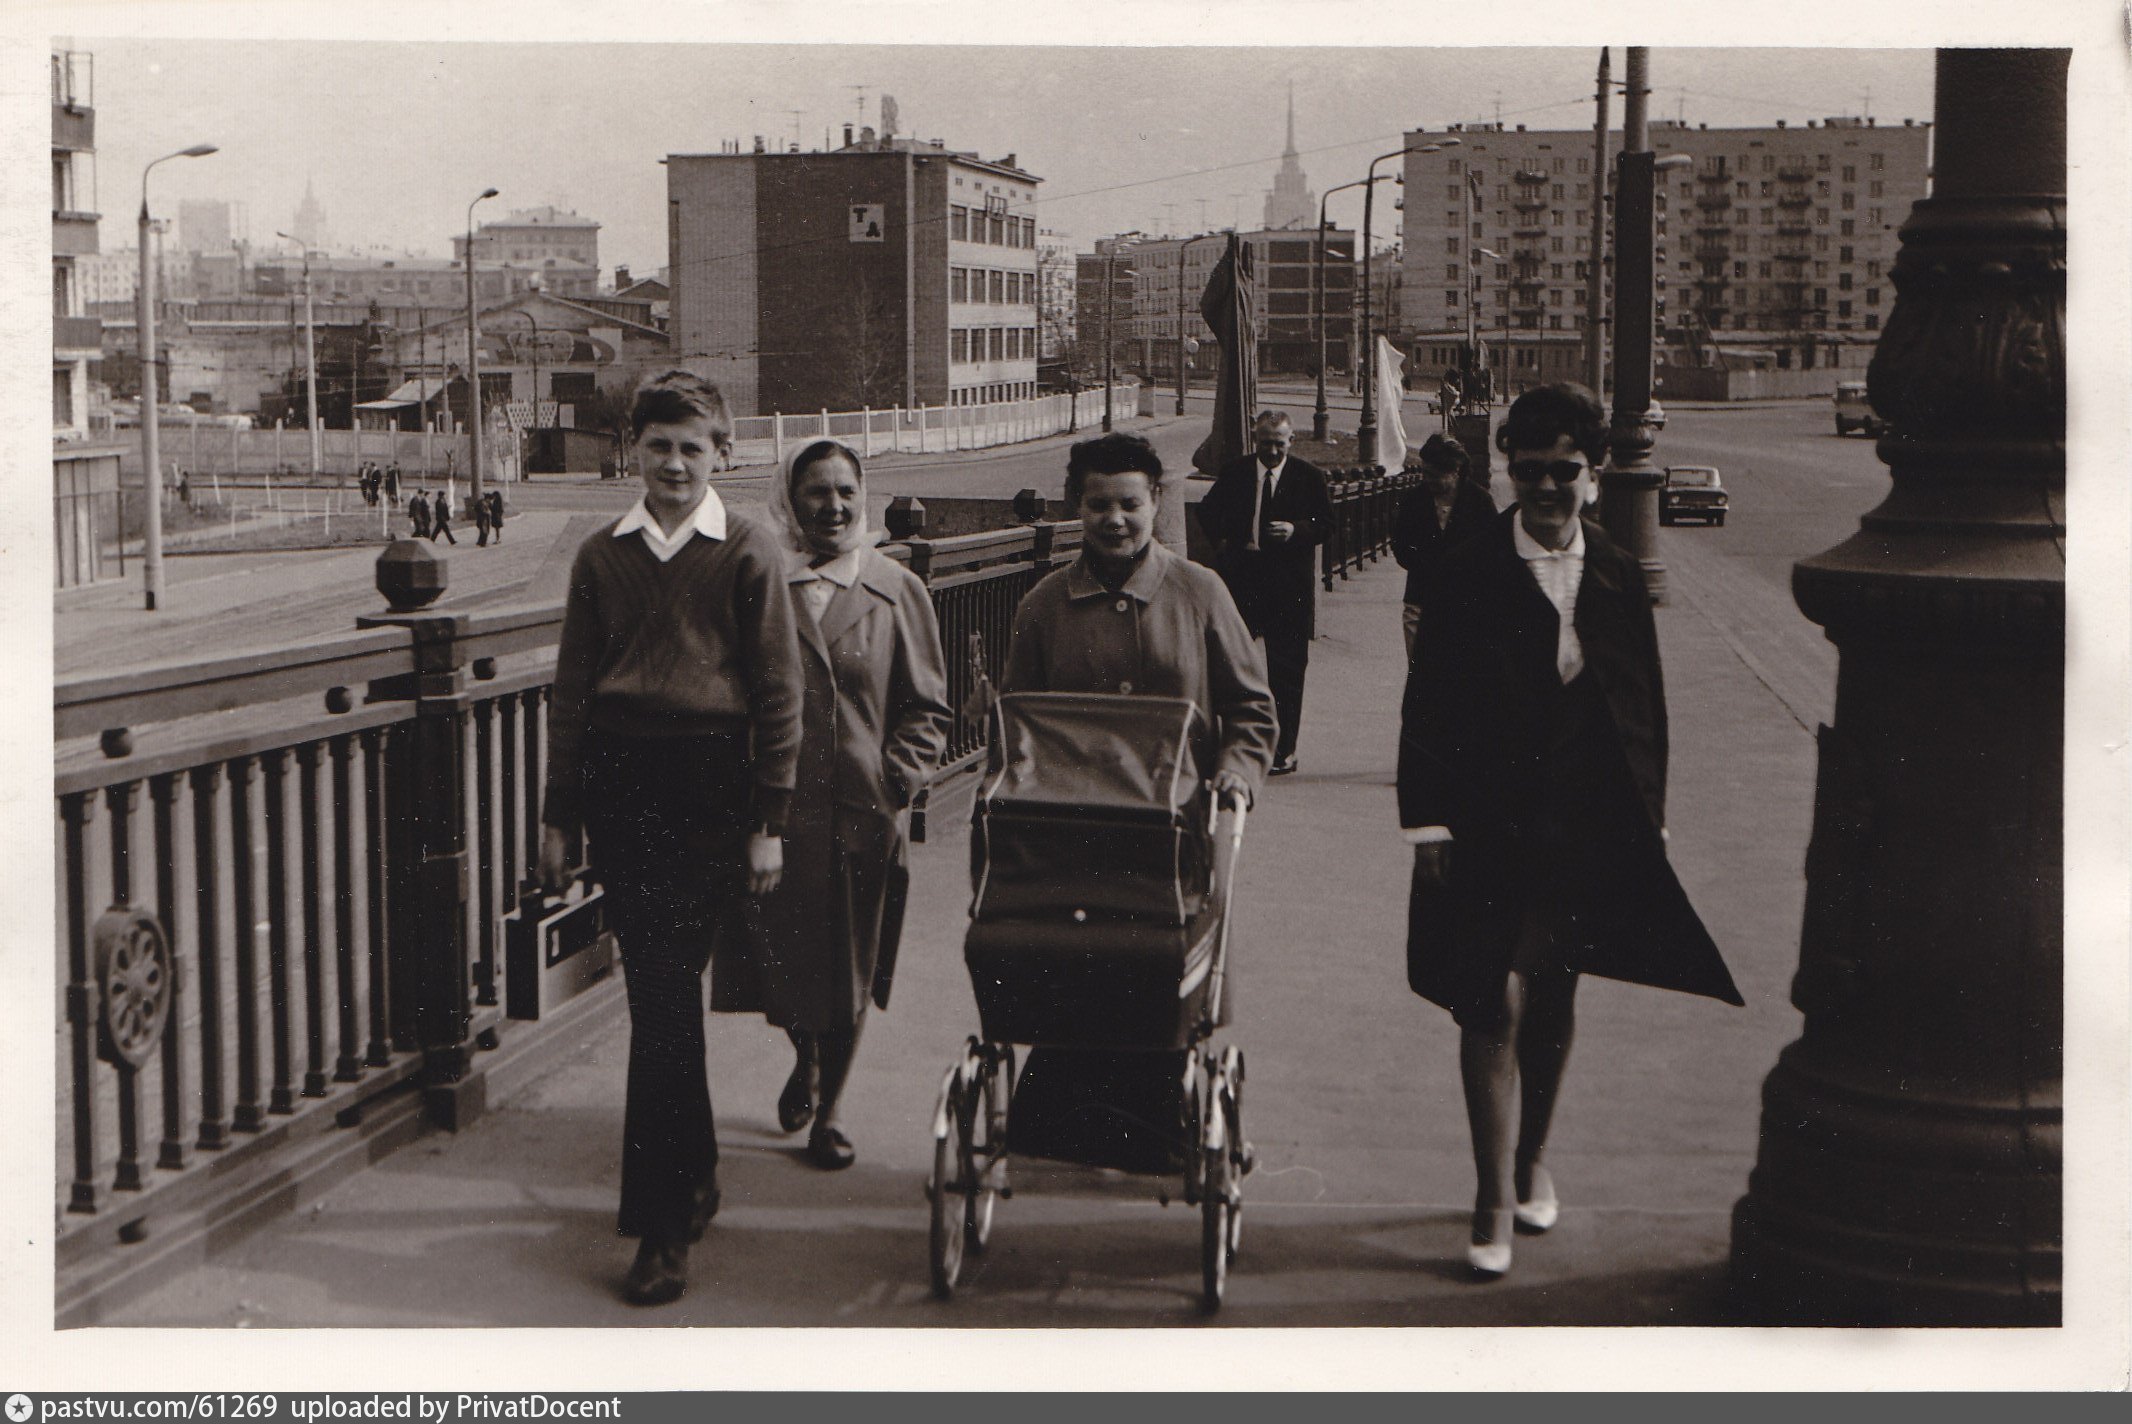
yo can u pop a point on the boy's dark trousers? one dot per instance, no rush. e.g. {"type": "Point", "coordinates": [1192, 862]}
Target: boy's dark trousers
{"type": "Point", "coordinates": [669, 820]}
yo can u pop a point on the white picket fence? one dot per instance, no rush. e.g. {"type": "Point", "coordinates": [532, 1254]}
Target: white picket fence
{"type": "Point", "coordinates": [763, 439]}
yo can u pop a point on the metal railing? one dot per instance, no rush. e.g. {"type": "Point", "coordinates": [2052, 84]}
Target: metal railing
{"type": "Point", "coordinates": [282, 875]}
{"type": "Point", "coordinates": [1365, 511]}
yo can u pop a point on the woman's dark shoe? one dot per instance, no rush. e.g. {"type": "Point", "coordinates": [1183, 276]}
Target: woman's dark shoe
{"type": "Point", "coordinates": [659, 1274]}
{"type": "Point", "coordinates": [795, 1105]}
{"type": "Point", "coordinates": [830, 1149]}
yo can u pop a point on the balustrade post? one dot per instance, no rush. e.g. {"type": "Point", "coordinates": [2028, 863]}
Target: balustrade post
{"type": "Point", "coordinates": [429, 882]}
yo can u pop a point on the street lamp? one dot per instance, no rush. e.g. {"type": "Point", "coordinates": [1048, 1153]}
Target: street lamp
{"type": "Point", "coordinates": [1320, 418]}
{"type": "Point", "coordinates": [310, 357]}
{"type": "Point", "coordinates": [1110, 292]}
{"type": "Point", "coordinates": [1182, 371]}
{"type": "Point", "coordinates": [1366, 427]}
{"type": "Point", "coordinates": [1473, 301]}
{"type": "Point", "coordinates": [473, 354]}
{"type": "Point", "coordinates": [151, 454]}
{"type": "Point", "coordinates": [533, 422]}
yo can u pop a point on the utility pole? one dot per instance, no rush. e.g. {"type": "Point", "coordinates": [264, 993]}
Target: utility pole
{"type": "Point", "coordinates": [1628, 500]}
{"type": "Point", "coordinates": [310, 359]}
{"type": "Point", "coordinates": [473, 357]}
{"type": "Point", "coordinates": [1595, 275]}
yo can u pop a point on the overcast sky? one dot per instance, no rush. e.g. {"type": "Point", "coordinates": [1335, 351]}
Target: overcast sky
{"type": "Point", "coordinates": [397, 138]}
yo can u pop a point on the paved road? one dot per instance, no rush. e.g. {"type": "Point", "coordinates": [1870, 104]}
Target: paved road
{"type": "Point", "coordinates": [1356, 1215]}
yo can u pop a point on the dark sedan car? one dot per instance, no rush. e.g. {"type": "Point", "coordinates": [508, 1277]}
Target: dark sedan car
{"type": "Point", "coordinates": [1693, 492]}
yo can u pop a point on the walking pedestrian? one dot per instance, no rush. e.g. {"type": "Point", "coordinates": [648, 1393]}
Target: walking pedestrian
{"type": "Point", "coordinates": [1129, 616]}
{"type": "Point", "coordinates": [1267, 513]}
{"type": "Point", "coordinates": [392, 482]}
{"type": "Point", "coordinates": [440, 519]}
{"type": "Point", "coordinates": [495, 501]}
{"type": "Point", "coordinates": [874, 722]}
{"type": "Point", "coordinates": [673, 739]}
{"type": "Point", "coordinates": [1532, 779]}
{"type": "Point", "coordinates": [481, 521]}
{"type": "Point", "coordinates": [1449, 508]}
{"type": "Point", "coordinates": [418, 515]}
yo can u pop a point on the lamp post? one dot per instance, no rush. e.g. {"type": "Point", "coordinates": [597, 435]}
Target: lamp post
{"type": "Point", "coordinates": [1366, 427]}
{"type": "Point", "coordinates": [151, 453]}
{"type": "Point", "coordinates": [473, 355]}
{"type": "Point", "coordinates": [1110, 293]}
{"type": "Point", "coordinates": [1320, 418]}
{"type": "Point", "coordinates": [533, 421]}
{"type": "Point", "coordinates": [1182, 372]}
{"type": "Point", "coordinates": [310, 359]}
{"type": "Point", "coordinates": [1628, 487]}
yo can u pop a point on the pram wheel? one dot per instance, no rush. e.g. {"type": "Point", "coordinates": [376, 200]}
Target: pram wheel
{"type": "Point", "coordinates": [1216, 1218]}
{"type": "Point", "coordinates": [988, 1152]}
{"type": "Point", "coordinates": [1221, 1170]}
{"type": "Point", "coordinates": [948, 1222]}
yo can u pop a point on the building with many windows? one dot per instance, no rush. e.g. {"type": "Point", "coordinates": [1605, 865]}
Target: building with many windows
{"type": "Point", "coordinates": [1057, 281]}
{"type": "Point", "coordinates": [1778, 239]}
{"type": "Point", "coordinates": [888, 272]}
{"type": "Point", "coordinates": [563, 248]}
{"type": "Point", "coordinates": [76, 338]}
{"type": "Point", "coordinates": [1172, 274]}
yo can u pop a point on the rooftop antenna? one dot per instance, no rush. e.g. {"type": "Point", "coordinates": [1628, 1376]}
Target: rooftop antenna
{"type": "Point", "coordinates": [860, 91]}
{"type": "Point", "coordinates": [797, 115]}
{"type": "Point", "coordinates": [1865, 101]}
{"type": "Point", "coordinates": [1680, 114]}
{"type": "Point", "coordinates": [1499, 108]}
{"type": "Point", "coordinates": [1169, 219]}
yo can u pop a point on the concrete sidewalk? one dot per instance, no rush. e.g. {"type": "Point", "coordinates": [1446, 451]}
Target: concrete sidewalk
{"type": "Point", "coordinates": [1357, 1212]}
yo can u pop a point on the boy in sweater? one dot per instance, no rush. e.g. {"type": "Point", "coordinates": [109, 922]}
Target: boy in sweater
{"type": "Point", "coordinates": [673, 740]}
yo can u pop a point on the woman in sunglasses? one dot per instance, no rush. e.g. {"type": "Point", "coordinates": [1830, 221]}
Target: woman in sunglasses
{"type": "Point", "coordinates": [1532, 774]}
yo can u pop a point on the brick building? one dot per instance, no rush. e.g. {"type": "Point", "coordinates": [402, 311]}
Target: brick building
{"type": "Point", "coordinates": [1284, 262]}
{"type": "Point", "coordinates": [890, 271]}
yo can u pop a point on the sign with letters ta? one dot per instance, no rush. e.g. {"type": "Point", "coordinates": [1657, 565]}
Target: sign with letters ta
{"type": "Point", "coordinates": [868, 220]}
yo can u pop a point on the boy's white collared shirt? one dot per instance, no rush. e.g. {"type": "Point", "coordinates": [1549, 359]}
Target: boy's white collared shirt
{"type": "Point", "coordinates": [707, 520]}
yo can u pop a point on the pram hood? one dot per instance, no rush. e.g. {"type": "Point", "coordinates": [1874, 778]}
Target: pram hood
{"type": "Point", "coordinates": [1102, 754]}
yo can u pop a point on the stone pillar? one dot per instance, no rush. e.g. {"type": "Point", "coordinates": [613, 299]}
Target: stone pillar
{"type": "Point", "coordinates": [1909, 1163]}
{"type": "Point", "coordinates": [1628, 486]}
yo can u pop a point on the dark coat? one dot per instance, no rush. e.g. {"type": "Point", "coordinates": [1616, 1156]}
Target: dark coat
{"type": "Point", "coordinates": [1418, 541]}
{"type": "Point", "coordinates": [874, 722]}
{"type": "Point", "coordinates": [1275, 588]}
{"type": "Point", "coordinates": [1472, 732]}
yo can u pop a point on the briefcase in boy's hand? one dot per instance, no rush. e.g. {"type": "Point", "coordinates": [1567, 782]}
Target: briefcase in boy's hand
{"type": "Point", "coordinates": [555, 946]}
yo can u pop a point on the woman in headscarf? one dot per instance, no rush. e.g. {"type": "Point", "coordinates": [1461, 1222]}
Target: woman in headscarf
{"type": "Point", "coordinates": [874, 722]}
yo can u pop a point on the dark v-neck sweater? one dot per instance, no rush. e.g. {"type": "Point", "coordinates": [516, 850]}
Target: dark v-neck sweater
{"type": "Point", "coordinates": [704, 643]}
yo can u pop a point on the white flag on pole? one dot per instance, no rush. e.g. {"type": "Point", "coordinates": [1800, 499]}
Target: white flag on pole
{"type": "Point", "coordinates": [1391, 390]}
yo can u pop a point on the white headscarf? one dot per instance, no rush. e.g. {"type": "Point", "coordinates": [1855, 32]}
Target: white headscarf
{"type": "Point", "coordinates": [857, 534]}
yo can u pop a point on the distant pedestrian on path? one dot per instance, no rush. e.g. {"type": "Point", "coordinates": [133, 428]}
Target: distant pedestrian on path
{"type": "Point", "coordinates": [481, 521]}
{"type": "Point", "coordinates": [392, 482]}
{"type": "Point", "coordinates": [1532, 785]}
{"type": "Point", "coordinates": [1448, 509]}
{"type": "Point", "coordinates": [440, 519]}
{"type": "Point", "coordinates": [1267, 514]}
{"type": "Point", "coordinates": [673, 740]}
{"type": "Point", "coordinates": [418, 515]}
{"type": "Point", "coordinates": [495, 503]}
{"type": "Point", "coordinates": [875, 721]}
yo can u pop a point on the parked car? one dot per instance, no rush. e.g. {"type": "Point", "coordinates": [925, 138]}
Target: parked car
{"type": "Point", "coordinates": [1854, 411]}
{"type": "Point", "coordinates": [1693, 492]}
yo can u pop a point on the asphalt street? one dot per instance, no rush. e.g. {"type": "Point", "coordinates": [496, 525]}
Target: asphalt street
{"type": "Point", "coordinates": [1356, 1214]}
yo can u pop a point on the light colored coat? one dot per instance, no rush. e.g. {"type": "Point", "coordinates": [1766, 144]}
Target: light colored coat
{"type": "Point", "coordinates": [874, 722]}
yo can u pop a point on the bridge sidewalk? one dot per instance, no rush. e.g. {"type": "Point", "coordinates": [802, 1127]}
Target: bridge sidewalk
{"type": "Point", "coordinates": [1356, 1215]}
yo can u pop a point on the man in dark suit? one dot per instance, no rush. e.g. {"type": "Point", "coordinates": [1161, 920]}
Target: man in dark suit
{"type": "Point", "coordinates": [1266, 515]}
{"type": "Point", "coordinates": [1532, 783]}
{"type": "Point", "coordinates": [1448, 508]}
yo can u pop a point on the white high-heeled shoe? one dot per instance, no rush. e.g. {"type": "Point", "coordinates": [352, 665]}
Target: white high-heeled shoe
{"type": "Point", "coordinates": [1543, 1209]}
{"type": "Point", "coordinates": [1491, 1258]}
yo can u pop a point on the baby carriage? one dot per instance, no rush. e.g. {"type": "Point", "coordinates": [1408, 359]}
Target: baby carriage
{"type": "Point", "coordinates": [1099, 937]}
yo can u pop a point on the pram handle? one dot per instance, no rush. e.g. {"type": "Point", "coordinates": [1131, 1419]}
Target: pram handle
{"type": "Point", "coordinates": [1215, 977]}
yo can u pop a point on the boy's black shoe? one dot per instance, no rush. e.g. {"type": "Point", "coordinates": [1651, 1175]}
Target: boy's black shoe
{"type": "Point", "coordinates": [659, 1274]}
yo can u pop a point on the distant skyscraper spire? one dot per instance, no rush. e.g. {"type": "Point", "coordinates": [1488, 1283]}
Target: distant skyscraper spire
{"type": "Point", "coordinates": [310, 224]}
{"type": "Point", "coordinates": [1291, 203]}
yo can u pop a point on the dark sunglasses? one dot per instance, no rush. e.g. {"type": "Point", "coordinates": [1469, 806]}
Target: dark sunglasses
{"type": "Point", "coordinates": [1564, 472]}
